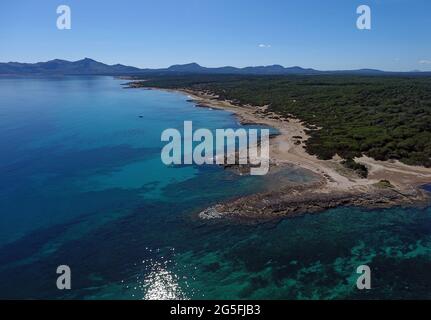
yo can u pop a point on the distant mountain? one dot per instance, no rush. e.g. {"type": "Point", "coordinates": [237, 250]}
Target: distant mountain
{"type": "Point", "coordinates": [189, 68]}
{"type": "Point", "coordinates": [57, 66]}
{"type": "Point", "coordinates": [263, 70]}
{"type": "Point", "coordinates": [89, 66]}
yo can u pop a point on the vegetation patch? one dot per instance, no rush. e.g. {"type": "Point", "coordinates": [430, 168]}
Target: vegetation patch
{"type": "Point", "coordinates": [384, 184]}
{"type": "Point", "coordinates": [359, 169]}
{"type": "Point", "coordinates": [382, 117]}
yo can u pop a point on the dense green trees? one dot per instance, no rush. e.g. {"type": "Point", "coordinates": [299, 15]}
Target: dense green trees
{"type": "Point", "coordinates": [382, 117]}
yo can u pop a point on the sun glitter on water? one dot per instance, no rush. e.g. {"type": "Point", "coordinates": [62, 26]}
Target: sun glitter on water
{"type": "Point", "coordinates": [159, 279]}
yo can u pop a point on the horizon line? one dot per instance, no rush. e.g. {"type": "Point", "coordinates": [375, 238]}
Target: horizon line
{"type": "Point", "coordinates": [223, 66]}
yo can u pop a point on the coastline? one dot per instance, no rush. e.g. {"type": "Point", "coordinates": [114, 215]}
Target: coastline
{"type": "Point", "coordinates": [389, 183]}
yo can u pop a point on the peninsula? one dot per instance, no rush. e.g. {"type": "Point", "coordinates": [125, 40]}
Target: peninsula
{"type": "Point", "coordinates": [356, 139]}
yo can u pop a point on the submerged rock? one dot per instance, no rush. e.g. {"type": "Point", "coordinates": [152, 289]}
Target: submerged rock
{"type": "Point", "coordinates": [210, 213]}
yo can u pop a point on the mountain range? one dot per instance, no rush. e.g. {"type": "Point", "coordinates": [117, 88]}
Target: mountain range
{"type": "Point", "coordinates": [89, 66]}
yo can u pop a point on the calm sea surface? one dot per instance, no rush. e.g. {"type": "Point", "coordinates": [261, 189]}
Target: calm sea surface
{"type": "Point", "coordinates": [82, 184]}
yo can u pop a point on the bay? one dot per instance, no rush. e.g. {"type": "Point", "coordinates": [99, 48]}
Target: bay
{"type": "Point", "coordinates": [82, 184]}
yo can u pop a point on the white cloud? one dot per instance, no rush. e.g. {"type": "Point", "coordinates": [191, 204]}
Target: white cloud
{"type": "Point", "coordinates": [264, 45]}
{"type": "Point", "coordinates": [424, 61]}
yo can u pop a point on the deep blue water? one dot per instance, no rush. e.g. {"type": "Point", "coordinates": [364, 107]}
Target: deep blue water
{"type": "Point", "coordinates": [82, 184]}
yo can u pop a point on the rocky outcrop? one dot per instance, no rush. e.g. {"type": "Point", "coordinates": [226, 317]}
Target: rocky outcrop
{"type": "Point", "coordinates": [299, 200]}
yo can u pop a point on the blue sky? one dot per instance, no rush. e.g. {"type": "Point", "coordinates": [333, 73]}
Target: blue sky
{"type": "Point", "coordinates": [309, 33]}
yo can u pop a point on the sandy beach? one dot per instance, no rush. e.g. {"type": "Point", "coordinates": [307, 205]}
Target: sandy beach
{"type": "Point", "coordinates": [337, 185]}
{"type": "Point", "coordinates": [389, 183]}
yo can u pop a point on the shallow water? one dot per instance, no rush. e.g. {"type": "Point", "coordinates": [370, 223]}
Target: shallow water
{"type": "Point", "coordinates": [82, 184]}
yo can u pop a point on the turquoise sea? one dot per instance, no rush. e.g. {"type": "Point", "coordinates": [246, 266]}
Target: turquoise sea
{"type": "Point", "coordinates": [82, 184]}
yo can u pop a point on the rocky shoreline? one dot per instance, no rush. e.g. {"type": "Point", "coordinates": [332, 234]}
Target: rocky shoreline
{"type": "Point", "coordinates": [307, 199]}
{"type": "Point", "coordinates": [297, 199]}
{"type": "Point", "coordinates": [389, 183]}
